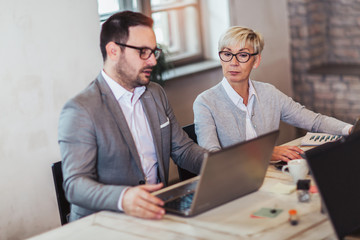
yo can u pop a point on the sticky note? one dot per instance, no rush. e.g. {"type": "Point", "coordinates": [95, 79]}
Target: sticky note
{"type": "Point", "coordinates": [267, 212]}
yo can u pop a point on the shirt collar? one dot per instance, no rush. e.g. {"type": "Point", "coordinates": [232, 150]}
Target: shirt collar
{"type": "Point", "coordinates": [252, 91]}
{"type": "Point", "coordinates": [234, 96]}
{"type": "Point", "coordinates": [119, 91]}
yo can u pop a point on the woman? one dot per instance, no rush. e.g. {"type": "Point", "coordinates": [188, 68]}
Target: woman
{"type": "Point", "coordinates": [238, 108]}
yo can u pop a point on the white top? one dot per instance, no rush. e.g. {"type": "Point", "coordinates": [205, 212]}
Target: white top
{"type": "Point", "coordinates": [138, 124]}
{"type": "Point", "coordinates": [239, 102]}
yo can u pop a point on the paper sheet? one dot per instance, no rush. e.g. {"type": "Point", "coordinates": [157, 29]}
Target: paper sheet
{"type": "Point", "coordinates": [282, 188]}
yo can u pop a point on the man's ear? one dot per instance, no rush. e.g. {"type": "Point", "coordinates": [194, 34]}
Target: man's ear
{"type": "Point", "coordinates": [112, 50]}
{"type": "Point", "coordinates": [257, 61]}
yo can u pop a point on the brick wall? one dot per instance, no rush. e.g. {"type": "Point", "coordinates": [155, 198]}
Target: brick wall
{"type": "Point", "coordinates": [325, 48]}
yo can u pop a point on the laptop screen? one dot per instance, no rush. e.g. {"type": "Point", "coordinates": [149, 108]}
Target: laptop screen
{"type": "Point", "coordinates": [225, 175]}
{"type": "Point", "coordinates": [336, 169]}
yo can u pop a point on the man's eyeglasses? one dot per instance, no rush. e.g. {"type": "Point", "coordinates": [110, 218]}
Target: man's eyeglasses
{"type": "Point", "coordinates": [144, 52]}
{"type": "Point", "coordinates": [242, 57]}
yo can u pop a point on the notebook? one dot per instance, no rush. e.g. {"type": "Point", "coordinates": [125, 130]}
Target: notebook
{"type": "Point", "coordinates": [335, 167]}
{"type": "Point", "coordinates": [225, 175]}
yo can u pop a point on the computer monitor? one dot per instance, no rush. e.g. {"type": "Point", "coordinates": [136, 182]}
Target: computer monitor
{"type": "Point", "coordinates": [335, 167]}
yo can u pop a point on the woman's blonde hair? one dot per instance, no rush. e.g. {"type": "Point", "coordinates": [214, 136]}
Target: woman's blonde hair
{"type": "Point", "coordinates": [240, 36]}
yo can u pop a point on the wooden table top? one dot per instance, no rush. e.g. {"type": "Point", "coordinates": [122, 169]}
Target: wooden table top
{"type": "Point", "coordinates": [233, 220]}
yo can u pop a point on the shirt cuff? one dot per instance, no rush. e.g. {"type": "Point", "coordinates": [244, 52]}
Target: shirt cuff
{"type": "Point", "coordinates": [121, 199]}
{"type": "Point", "coordinates": [346, 129]}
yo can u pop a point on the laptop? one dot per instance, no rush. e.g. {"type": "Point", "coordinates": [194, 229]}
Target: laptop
{"type": "Point", "coordinates": [225, 175]}
{"type": "Point", "coordinates": [335, 167]}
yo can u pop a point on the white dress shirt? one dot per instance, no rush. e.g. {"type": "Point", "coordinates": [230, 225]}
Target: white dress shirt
{"type": "Point", "coordinates": [139, 127]}
{"type": "Point", "coordinates": [239, 102]}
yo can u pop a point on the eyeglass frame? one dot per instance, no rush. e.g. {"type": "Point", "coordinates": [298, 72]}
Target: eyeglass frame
{"type": "Point", "coordinates": [249, 56]}
{"type": "Point", "coordinates": [142, 49]}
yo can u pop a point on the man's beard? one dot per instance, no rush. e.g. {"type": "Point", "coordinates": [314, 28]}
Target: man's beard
{"type": "Point", "coordinates": [129, 79]}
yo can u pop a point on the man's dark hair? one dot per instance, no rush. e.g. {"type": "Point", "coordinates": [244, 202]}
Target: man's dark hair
{"type": "Point", "coordinates": [116, 28]}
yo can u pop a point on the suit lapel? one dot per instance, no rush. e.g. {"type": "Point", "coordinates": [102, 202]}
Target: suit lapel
{"type": "Point", "coordinates": [150, 110]}
{"type": "Point", "coordinates": [113, 106]}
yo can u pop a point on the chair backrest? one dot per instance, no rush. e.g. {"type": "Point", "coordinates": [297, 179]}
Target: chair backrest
{"type": "Point", "coordinates": [190, 130]}
{"type": "Point", "coordinates": [185, 174]}
{"type": "Point", "coordinates": [63, 204]}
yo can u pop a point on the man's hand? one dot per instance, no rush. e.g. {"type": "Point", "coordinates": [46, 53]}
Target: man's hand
{"type": "Point", "coordinates": [286, 153]}
{"type": "Point", "coordinates": [138, 202]}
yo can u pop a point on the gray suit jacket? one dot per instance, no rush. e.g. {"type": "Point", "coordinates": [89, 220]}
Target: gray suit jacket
{"type": "Point", "coordinates": [99, 154]}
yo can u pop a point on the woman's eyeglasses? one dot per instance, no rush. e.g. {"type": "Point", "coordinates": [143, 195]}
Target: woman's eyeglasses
{"type": "Point", "coordinates": [242, 57]}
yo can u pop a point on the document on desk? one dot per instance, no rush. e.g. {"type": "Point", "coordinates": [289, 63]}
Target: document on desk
{"type": "Point", "coordinates": [282, 188]}
{"type": "Point", "coordinates": [316, 139]}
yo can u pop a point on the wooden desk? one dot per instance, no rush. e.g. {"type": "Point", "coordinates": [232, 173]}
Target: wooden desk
{"type": "Point", "coordinates": [229, 221]}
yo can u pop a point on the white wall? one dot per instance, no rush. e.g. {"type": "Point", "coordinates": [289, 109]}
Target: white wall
{"type": "Point", "coordinates": [48, 52]}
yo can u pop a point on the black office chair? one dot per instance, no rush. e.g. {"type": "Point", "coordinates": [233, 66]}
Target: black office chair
{"type": "Point", "coordinates": [63, 204]}
{"type": "Point", "coordinates": [185, 174]}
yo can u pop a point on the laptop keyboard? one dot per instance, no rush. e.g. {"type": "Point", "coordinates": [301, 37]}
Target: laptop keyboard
{"type": "Point", "coordinates": [182, 203]}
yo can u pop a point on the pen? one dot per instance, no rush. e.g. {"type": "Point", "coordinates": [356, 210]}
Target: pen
{"type": "Point", "coordinates": [293, 217]}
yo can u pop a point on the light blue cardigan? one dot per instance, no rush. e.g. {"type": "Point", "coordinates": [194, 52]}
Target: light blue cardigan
{"type": "Point", "coordinates": [219, 123]}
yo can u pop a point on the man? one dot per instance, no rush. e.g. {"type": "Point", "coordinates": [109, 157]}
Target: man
{"type": "Point", "coordinates": [120, 132]}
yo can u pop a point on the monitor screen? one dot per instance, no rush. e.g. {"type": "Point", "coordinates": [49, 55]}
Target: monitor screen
{"type": "Point", "coordinates": [336, 170]}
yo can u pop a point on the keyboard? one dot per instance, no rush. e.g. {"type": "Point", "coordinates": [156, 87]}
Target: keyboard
{"type": "Point", "coordinates": [316, 139]}
{"type": "Point", "coordinates": [182, 203]}
{"type": "Point", "coordinates": [177, 192]}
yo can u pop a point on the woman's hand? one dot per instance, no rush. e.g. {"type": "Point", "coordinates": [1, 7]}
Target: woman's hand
{"type": "Point", "coordinates": [286, 153]}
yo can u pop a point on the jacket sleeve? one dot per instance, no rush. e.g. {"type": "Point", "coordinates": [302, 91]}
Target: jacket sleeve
{"type": "Point", "coordinates": [78, 147]}
{"type": "Point", "coordinates": [297, 115]}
